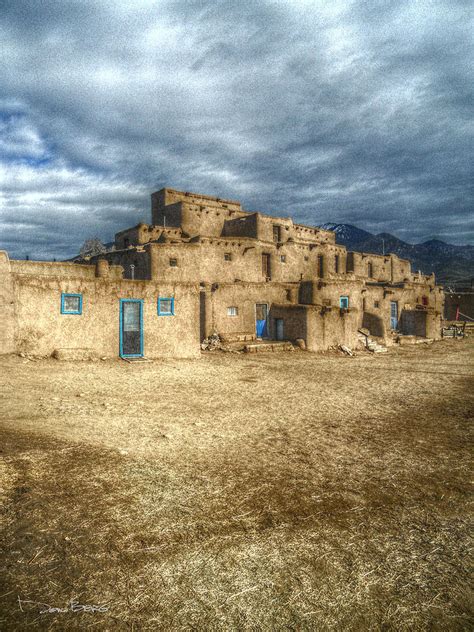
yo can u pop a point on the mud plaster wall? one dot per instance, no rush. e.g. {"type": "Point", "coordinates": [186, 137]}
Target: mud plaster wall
{"type": "Point", "coordinates": [195, 219]}
{"type": "Point", "coordinates": [244, 296]}
{"type": "Point", "coordinates": [39, 326]}
{"type": "Point", "coordinates": [321, 328]}
{"type": "Point", "coordinates": [246, 226]}
{"type": "Point", "coordinates": [331, 328]}
{"type": "Point", "coordinates": [140, 258]}
{"type": "Point", "coordinates": [205, 261]}
{"type": "Point", "coordinates": [165, 197]}
{"type": "Point", "coordinates": [60, 269]}
{"type": "Point", "coordinates": [294, 321]}
{"type": "Point", "coordinates": [413, 322]}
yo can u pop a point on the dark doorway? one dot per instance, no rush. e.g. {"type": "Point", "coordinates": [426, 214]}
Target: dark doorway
{"type": "Point", "coordinates": [279, 329]}
{"type": "Point", "coordinates": [393, 314]}
{"type": "Point", "coordinates": [266, 271]}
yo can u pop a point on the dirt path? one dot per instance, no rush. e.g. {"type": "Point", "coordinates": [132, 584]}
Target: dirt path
{"type": "Point", "coordinates": [287, 491]}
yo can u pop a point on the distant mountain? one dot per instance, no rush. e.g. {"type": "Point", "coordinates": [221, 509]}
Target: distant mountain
{"type": "Point", "coordinates": [451, 264]}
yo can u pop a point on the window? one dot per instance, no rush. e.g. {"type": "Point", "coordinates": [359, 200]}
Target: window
{"type": "Point", "coordinates": [283, 258]}
{"type": "Point", "coordinates": [344, 302]}
{"type": "Point", "coordinates": [227, 256]}
{"type": "Point", "coordinates": [370, 270]}
{"type": "Point", "coordinates": [363, 304]}
{"type": "Point", "coordinates": [266, 271]}
{"type": "Point", "coordinates": [173, 263]}
{"type": "Point", "coordinates": [376, 304]}
{"type": "Point", "coordinates": [320, 266]}
{"type": "Point", "coordinates": [336, 264]}
{"type": "Point", "coordinates": [166, 306]}
{"type": "Point", "coordinates": [288, 295]}
{"type": "Point", "coordinates": [276, 233]}
{"type": "Point", "coordinates": [232, 311]}
{"type": "Point", "coordinates": [424, 300]}
{"type": "Point", "coordinates": [71, 303]}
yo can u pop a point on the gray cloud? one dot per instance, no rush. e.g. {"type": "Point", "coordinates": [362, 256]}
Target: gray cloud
{"type": "Point", "coordinates": [348, 112]}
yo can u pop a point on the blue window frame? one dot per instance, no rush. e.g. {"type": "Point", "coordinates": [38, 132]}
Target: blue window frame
{"type": "Point", "coordinates": [71, 303]}
{"type": "Point", "coordinates": [131, 328]}
{"type": "Point", "coordinates": [344, 302]}
{"type": "Point", "coordinates": [166, 306]}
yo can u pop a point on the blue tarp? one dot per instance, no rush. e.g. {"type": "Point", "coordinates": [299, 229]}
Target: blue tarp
{"type": "Point", "coordinates": [261, 328]}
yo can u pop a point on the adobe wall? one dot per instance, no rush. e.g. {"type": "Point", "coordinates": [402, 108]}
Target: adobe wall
{"type": "Point", "coordinates": [413, 322]}
{"type": "Point", "coordinates": [331, 328]}
{"type": "Point", "coordinates": [327, 292]}
{"type": "Point", "coordinates": [39, 327]}
{"type": "Point", "coordinates": [187, 256]}
{"type": "Point", "coordinates": [384, 267]}
{"type": "Point", "coordinates": [143, 233]}
{"type": "Point", "coordinates": [198, 215]}
{"type": "Point", "coordinates": [138, 257]}
{"type": "Point", "coordinates": [165, 197]}
{"type": "Point", "coordinates": [246, 226]}
{"type": "Point", "coordinates": [295, 321]}
{"type": "Point", "coordinates": [60, 269]}
{"type": "Point", "coordinates": [206, 220]}
{"type": "Point", "coordinates": [244, 296]}
{"type": "Point", "coordinates": [320, 328]}
{"type": "Point", "coordinates": [376, 309]}
{"type": "Point", "coordinates": [315, 235]}
{"type": "Point", "coordinates": [205, 260]}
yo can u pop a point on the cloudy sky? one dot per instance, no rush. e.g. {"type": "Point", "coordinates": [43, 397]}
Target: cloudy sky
{"type": "Point", "coordinates": [327, 110]}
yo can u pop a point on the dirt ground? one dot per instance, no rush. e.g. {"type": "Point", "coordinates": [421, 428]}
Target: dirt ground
{"type": "Point", "coordinates": [286, 491]}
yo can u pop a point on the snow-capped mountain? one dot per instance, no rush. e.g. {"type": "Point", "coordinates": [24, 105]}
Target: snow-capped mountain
{"type": "Point", "coordinates": [450, 263]}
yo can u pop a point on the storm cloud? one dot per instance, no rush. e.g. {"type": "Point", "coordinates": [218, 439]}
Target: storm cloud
{"type": "Point", "coordinates": [357, 112]}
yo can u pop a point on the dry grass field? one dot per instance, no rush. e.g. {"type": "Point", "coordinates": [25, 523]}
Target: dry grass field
{"type": "Point", "coordinates": [239, 492]}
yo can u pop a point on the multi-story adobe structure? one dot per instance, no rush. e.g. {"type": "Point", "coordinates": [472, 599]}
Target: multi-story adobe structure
{"type": "Point", "coordinates": [267, 276]}
{"type": "Point", "coordinates": [209, 266]}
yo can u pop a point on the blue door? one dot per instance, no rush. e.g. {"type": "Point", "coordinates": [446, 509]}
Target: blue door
{"type": "Point", "coordinates": [131, 328]}
{"type": "Point", "coordinates": [261, 315]}
{"type": "Point", "coordinates": [393, 314]}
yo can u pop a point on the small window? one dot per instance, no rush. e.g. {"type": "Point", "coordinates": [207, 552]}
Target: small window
{"type": "Point", "coordinates": [232, 311]}
{"type": "Point", "coordinates": [288, 295]}
{"type": "Point", "coordinates": [336, 263]}
{"type": "Point", "coordinates": [227, 256]}
{"type": "Point", "coordinates": [376, 304]}
{"type": "Point", "coordinates": [364, 304]}
{"type": "Point", "coordinates": [424, 300]}
{"type": "Point", "coordinates": [276, 233]}
{"type": "Point", "coordinates": [166, 306]}
{"type": "Point", "coordinates": [283, 258]}
{"type": "Point", "coordinates": [71, 303]}
{"type": "Point", "coordinates": [344, 302]}
{"type": "Point", "coordinates": [370, 270]}
{"type": "Point", "coordinates": [173, 263]}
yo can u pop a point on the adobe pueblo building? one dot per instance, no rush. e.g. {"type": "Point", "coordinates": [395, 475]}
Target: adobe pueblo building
{"type": "Point", "coordinates": [205, 266]}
